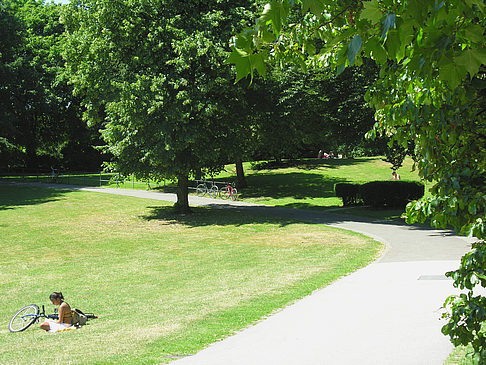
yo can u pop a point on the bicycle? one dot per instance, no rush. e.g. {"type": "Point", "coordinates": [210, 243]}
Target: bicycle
{"type": "Point", "coordinates": [29, 314]}
{"type": "Point", "coordinates": [55, 176]}
{"type": "Point", "coordinates": [203, 189]}
{"type": "Point", "coordinates": [229, 192]}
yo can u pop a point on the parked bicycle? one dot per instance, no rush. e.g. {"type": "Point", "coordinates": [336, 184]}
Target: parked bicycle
{"type": "Point", "coordinates": [207, 188]}
{"type": "Point", "coordinates": [29, 314]}
{"type": "Point", "coordinates": [55, 175]}
{"type": "Point", "coordinates": [229, 191]}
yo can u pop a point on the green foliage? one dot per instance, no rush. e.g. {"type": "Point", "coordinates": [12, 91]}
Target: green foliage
{"type": "Point", "coordinates": [296, 113]}
{"type": "Point", "coordinates": [467, 312]}
{"type": "Point", "coordinates": [155, 72]}
{"type": "Point", "coordinates": [395, 154]}
{"type": "Point", "coordinates": [431, 89]}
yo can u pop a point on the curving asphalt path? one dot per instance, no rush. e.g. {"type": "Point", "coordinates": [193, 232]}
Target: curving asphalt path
{"type": "Point", "coordinates": [386, 313]}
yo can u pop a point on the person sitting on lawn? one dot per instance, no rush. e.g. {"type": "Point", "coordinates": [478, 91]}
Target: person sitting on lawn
{"type": "Point", "coordinates": [65, 315]}
{"type": "Point", "coordinates": [395, 175]}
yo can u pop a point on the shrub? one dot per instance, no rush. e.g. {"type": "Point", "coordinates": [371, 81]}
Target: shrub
{"type": "Point", "coordinates": [391, 194]}
{"type": "Point", "coordinates": [349, 193]}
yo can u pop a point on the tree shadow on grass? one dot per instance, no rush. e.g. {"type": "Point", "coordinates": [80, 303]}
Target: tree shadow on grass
{"type": "Point", "coordinates": [12, 195]}
{"type": "Point", "coordinates": [237, 216]}
{"type": "Point", "coordinates": [214, 215]}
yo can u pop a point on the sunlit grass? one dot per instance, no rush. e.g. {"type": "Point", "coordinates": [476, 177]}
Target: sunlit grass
{"type": "Point", "coordinates": [162, 284]}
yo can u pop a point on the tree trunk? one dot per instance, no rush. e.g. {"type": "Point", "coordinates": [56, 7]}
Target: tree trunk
{"type": "Point", "coordinates": [240, 174]}
{"type": "Point", "coordinates": [182, 204]}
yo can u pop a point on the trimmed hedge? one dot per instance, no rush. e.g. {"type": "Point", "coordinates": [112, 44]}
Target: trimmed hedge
{"type": "Point", "coordinates": [380, 194]}
{"type": "Point", "coordinates": [349, 193]}
{"type": "Point", "coordinates": [391, 194]}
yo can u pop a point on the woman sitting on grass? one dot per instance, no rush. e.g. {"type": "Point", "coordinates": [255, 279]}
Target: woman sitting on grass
{"type": "Point", "coordinates": [65, 316]}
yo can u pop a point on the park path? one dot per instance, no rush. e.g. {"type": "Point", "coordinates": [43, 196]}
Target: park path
{"type": "Point", "coordinates": [386, 313]}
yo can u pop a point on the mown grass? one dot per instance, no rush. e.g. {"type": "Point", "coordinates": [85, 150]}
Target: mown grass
{"type": "Point", "coordinates": [162, 284]}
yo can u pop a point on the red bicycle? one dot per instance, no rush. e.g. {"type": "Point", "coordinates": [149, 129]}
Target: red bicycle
{"type": "Point", "coordinates": [229, 192]}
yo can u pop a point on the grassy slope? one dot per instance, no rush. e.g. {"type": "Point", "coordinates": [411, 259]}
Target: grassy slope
{"type": "Point", "coordinates": [161, 284]}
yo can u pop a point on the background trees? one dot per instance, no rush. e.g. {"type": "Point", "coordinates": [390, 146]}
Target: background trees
{"type": "Point", "coordinates": [39, 118]}
{"type": "Point", "coordinates": [431, 90]}
{"type": "Point", "coordinates": [299, 112]}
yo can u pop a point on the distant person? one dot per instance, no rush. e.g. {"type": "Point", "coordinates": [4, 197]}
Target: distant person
{"type": "Point", "coordinates": [319, 155]}
{"type": "Point", "coordinates": [331, 154]}
{"type": "Point", "coordinates": [395, 175]}
{"type": "Point", "coordinates": [65, 315]}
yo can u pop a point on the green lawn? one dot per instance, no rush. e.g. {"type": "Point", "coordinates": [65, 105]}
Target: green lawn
{"type": "Point", "coordinates": [161, 284]}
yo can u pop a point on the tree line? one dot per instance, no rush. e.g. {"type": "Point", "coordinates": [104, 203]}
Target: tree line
{"type": "Point", "coordinates": [145, 88]}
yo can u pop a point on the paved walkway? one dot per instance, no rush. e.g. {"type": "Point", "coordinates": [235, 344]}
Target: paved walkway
{"type": "Point", "coordinates": [385, 313]}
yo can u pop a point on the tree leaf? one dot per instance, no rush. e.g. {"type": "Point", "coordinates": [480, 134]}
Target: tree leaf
{"type": "Point", "coordinates": [275, 13]}
{"type": "Point", "coordinates": [376, 50]}
{"type": "Point", "coordinates": [353, 48]}
{"type": "Point", "coordinates": [316, 6]}
{"type": "Point", "coordinates": [474, 33]}
{"type": "Point", "coordinates": [477, 3]}
{"type": "Point", "coordinates": [449, 73]}
{"type": "Point", "coordinates": [241, 60]}
{"type": "Point", "coordinates": [472, 59]}
{"type": "Point", "coordinates": [392, 45]}
{"type": "Point", "coordinates": [388, 22]}
{"type": "Point", "coordinates": [257, 61]}
{"type": "Point", "coordinates": [371, 11]}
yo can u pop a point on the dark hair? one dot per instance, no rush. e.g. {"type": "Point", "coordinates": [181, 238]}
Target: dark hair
{"type": "Point", "coordinates": [56, 295]}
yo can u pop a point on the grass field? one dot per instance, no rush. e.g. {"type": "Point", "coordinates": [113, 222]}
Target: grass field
{"type": "Point", "coordinates": [162, 285]}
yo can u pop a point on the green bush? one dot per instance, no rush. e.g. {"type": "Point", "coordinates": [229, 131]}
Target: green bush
{"type": "Point", "coordinates": [390, 194]}
{"type": "Point", "coordinates": [466, 312]}
{"type": "Point", "coordinates": [349, 193]}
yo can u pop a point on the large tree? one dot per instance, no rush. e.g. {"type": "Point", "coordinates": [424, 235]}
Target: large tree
{"type": "Point", "coordinates": [431, 90]}
{"type": "Point", "coordinates": [155, 72]}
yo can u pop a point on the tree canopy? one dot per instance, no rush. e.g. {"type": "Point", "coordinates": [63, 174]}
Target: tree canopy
{"type": "Point", "coordinates": [431, 90]}
{"type": "Point", "coordinates": [155, 72]}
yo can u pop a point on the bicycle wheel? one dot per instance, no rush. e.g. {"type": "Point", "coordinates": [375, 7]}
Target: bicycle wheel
{"type": "Point", "coordinates": [201, 190]}
{"type": "Point", "coordinates": [233, 194]}
{"type": "Point", "coordinates": [23, 318]}
{"type": "Point", "coordinates": [214, 191]}
{"type": "Point", "coordinates": [225, 194]}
